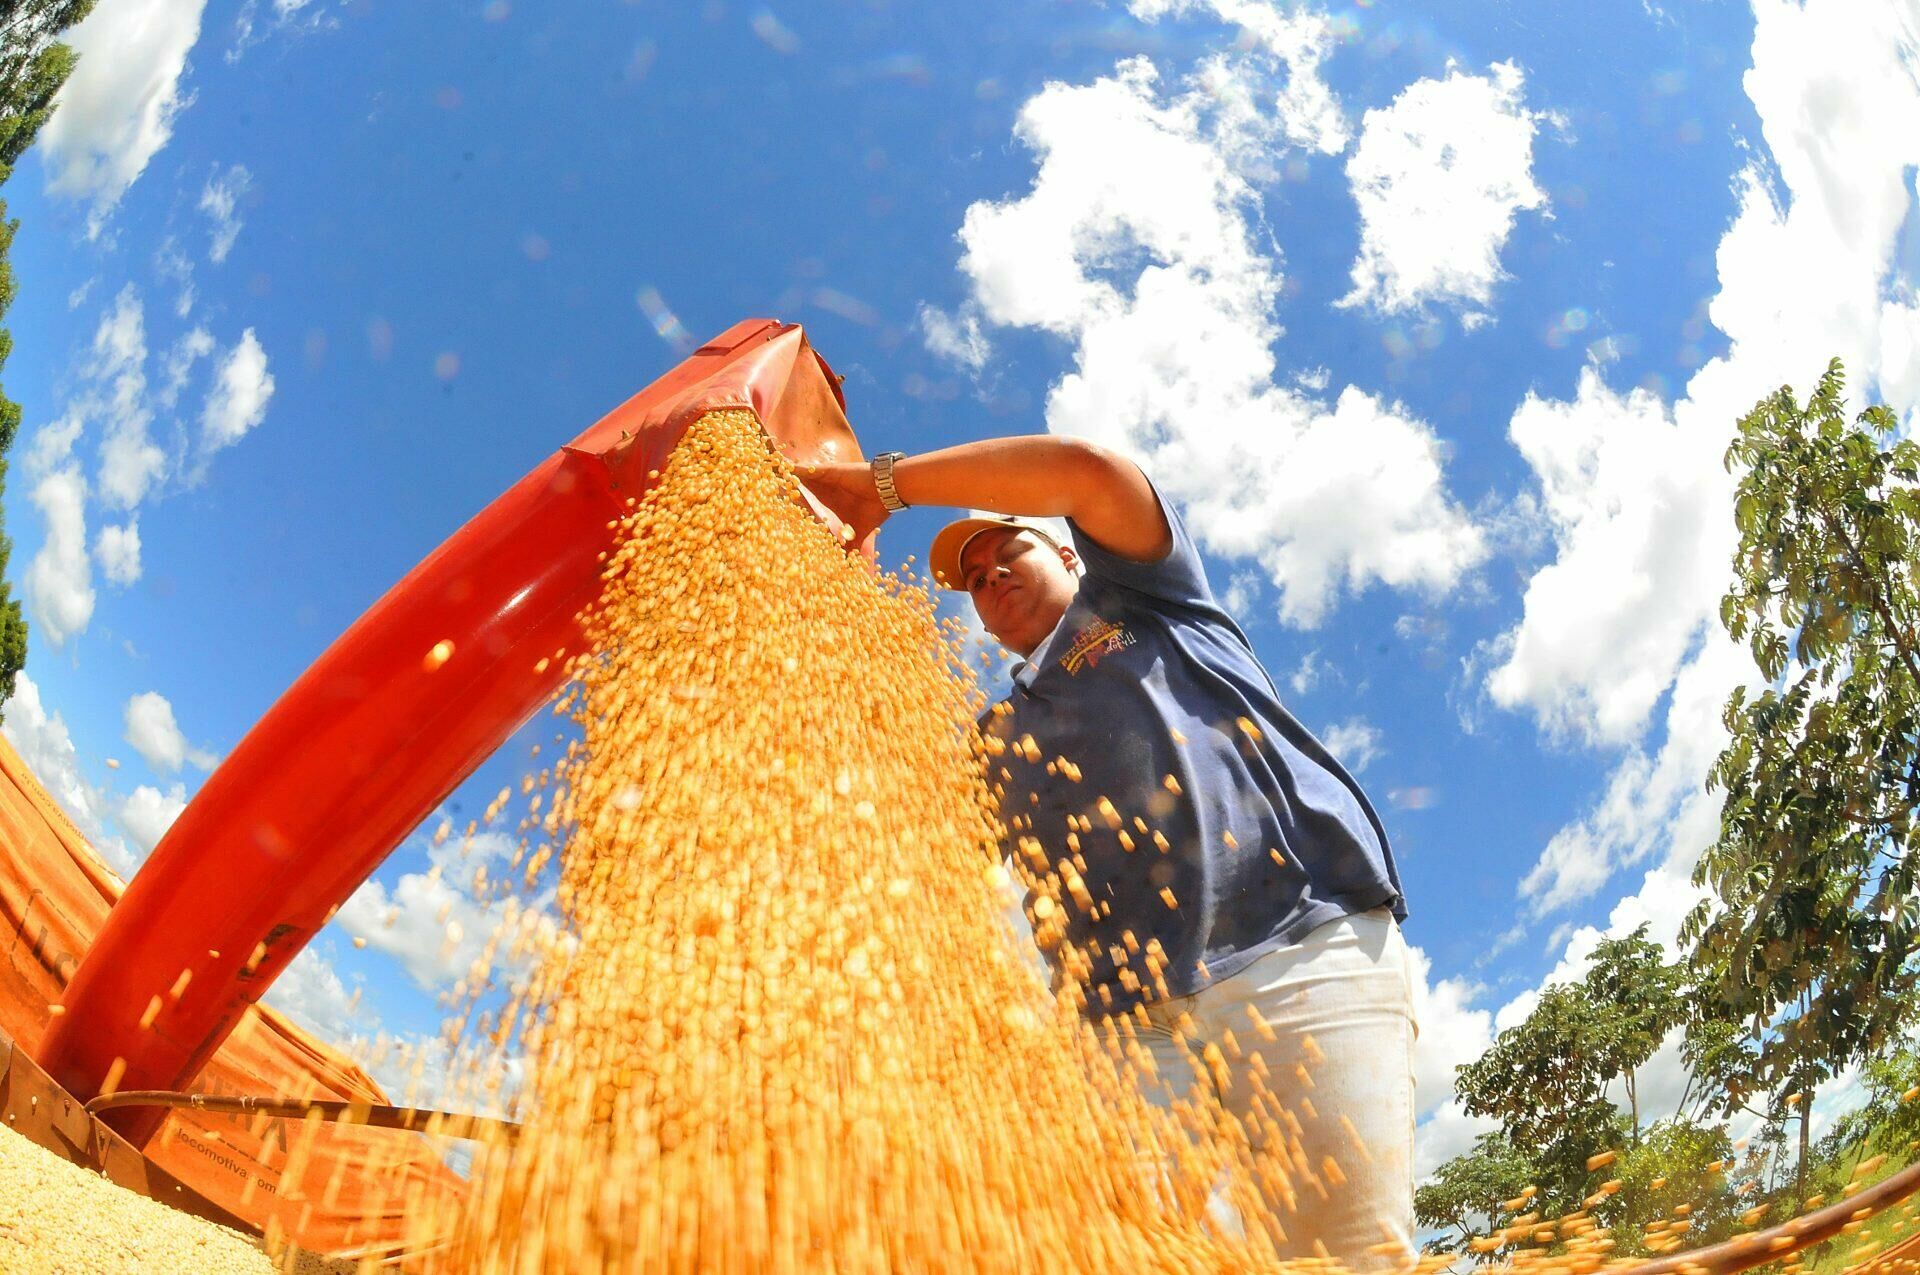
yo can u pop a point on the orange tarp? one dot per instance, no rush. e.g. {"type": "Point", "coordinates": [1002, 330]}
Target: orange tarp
{"type": "Point", "coordinates": [357, 1184]}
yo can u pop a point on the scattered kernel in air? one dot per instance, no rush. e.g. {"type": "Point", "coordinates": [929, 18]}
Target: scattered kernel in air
{"type": "Point", "coordinates": [441, 652]}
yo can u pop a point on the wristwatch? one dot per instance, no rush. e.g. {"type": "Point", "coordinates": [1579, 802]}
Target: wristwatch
{"type": "Point", "coordinates": [883, 480]}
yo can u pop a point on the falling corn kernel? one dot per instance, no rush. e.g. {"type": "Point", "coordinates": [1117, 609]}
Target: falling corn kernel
{"type": "Point", "coordinates": [1601, 1160]}
{"type": "Point", "coordinates": [765, 1037]}
{"type": "Point", "coordinates": [442, 652]}
{"type": "Point", "coordinates": [115, 1070]}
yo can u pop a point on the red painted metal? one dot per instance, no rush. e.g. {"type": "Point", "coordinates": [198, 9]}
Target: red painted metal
{"type": "Point", "coordinates": [370, 738]}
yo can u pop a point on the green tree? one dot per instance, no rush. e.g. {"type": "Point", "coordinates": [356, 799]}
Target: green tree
{"type": "Point", "coordinates": [1639, 995]}
{"type": "Point", "coordinates": [1466, 1193]}
{"type": "Point", "coordinates": [1888, 1120]}
{"type": "Point", "coordinates": [33, 66]}
{"type": "Point", "coordinates": [1545, 1081]}
{"type": "Point", "coordinates": [1805, 943]}
{"type": "Point", "coordinates": [1678, 1162]}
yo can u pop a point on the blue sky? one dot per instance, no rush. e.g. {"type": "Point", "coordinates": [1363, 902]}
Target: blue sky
{"type": "Point", "coordinates": [1434, 326]}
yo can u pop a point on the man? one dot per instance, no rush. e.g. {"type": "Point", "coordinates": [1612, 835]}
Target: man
{"type": "Point", "coordinates": [1234, 873]}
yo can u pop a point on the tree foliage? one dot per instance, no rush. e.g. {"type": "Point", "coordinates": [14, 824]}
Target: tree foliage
{"type": "Point", "coordinates": [1546, 1080]}
{"type": "Point", "coordinates": [1639, 995]}
{"type": "Point", "coordinates": [1805, 943]}
{"type": "Point", "coordinates": [1889, 1120]}
{"type": "Point", "coordinates": [1465, 1194]}
{"type": "Point", "coordinates": [1804, 953]}
{"type": "Point", "coordinates": [1678, 1162]}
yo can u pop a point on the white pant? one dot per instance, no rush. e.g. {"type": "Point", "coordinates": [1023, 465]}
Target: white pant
{"type": "Point", "coordinates": [1339, 1006]}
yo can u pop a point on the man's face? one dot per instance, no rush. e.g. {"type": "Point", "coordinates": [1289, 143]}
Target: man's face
{"type": "Point", "coordinates": [1019, 584]}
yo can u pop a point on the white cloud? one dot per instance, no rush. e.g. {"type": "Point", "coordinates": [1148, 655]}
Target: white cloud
{"type": "Point", "coordinates": [220, 200]}
{"type": "Point", "coordinates": [59, 583]}
{"type": "Point", "coordinates": [1643, 530]}
{"type": "Point", "coordinates": [130, 464]}
{"type": "Point", "coordinates": [1308, 113]}
{"type": "Point", "coordinates": [1452, 1032]}
{"type": "Point", "coordinates": [112, 392]}
{"type": "Point", "coordinates": [1639, 506]}
{"type": "Point", "coordinates": [148, 813]}
{"type": "Point", "coordinates": [431, 922]}
{"type": "Point", "coordinates": [156, 736]}
{"type": "Point", "coordinates": [1353, 742]}
{"type": "Point", "coordinates": [1308, 675]}
{"type": "Point", "coordinates": [311, 992]}
{"type": "Point", "coordinates": [1447, 1133]}
{"type": "Point", "coordinates": [414, 1069]}
{"type": "Point", "coordinates": [1653, 806]}
{"type": "Point", "coordinates": [1439, 176]}
{"type": "Point", "coordinates": [117, 395]}
{"type": "Point", "coordinates": [117, 549]}
{"type": "Point", "coordinates": [53, 442]}
{"type": "Point", "coordinates": [173, 264]}
{"type": "Point", "coordinates": [1243, 591]}
{"type": "Point", "coordinates": [773, 33]}
{"type": "Point", "coordinates": [241, 391]}
{"type": "Point", "coordinates": [286, 17]}
{"type": "Point", "coordinates": [44, 743]}
{"type": "Point", "coordinates": [955, 337]}
{"type": "Point", "coordinates": [186, 352]}
{"type": "Point", "coordinates": [117, 110]}
{"type": "Point", "coordinates": [1136, 243]}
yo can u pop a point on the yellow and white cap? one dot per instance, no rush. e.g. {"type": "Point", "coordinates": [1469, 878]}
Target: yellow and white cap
{"type": "Point", "coordinates": [944, 557]}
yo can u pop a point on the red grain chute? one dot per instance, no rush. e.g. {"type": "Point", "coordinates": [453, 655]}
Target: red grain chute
{"type": "Point", "coordinates": [370, 738]}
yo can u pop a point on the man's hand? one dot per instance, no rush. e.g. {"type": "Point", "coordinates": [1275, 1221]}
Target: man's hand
{"type": "Point", "coordinates": [846, 487]}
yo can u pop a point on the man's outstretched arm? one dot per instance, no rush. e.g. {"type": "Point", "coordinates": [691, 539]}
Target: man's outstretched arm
{"type": "Point", "coordinates": [1033, 476]}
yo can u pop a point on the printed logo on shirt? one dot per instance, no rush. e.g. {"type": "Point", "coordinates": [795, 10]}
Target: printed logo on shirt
{"type": "Point", "coordinates": [1093, 643]}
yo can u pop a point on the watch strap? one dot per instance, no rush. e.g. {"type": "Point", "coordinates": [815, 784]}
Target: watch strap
{"type": "Point", "coordinates": [883, 480]}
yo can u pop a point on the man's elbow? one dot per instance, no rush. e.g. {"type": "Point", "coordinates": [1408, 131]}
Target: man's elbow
{"type": "Point", "coordinates": [1101, 469]}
